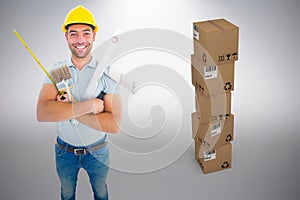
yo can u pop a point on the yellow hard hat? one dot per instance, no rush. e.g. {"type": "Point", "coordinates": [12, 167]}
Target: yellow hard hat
{"type": "Point", "coordinates": [79, 15]}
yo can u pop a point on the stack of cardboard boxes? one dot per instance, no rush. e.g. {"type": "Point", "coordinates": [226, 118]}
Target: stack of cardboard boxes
{"type": "Point", "coordinates": [215, 53]}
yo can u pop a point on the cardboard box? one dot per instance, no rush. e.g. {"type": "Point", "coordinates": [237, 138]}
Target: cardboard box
{"type": "Point", "coordinates": [216, 41]}
{"type": "Point", "coordinates": [214, 107]}
{"type": "Point", "coordinates": [195, 123]}
{"type": "Point", "coordinates": [214, 160]}
{"type": "Point", "coordinates": [214, 134]}
{"type": "Point", "coordinates": [212, 79]}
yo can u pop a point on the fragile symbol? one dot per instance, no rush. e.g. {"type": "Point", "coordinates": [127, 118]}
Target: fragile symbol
{"type": "Point", "coordinates": [221, 117]}
{"type": "Point", "coordinates": [203, 142]}
{"type": "Point", "coordinates": [229, 57]}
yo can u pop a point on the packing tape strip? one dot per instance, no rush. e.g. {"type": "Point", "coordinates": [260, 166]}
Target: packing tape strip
{"type": "Point", "coordinates": [216, 25]}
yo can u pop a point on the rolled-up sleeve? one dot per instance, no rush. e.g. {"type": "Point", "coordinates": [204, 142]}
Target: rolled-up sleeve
{"type": "Point", "coordinates": [110, 86]}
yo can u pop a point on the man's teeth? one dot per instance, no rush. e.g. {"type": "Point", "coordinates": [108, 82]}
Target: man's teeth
{"type": "Point", "coordinates": [80, 47]}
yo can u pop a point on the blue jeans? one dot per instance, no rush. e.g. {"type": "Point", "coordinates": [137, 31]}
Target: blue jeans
{"type": "Point", "coordinates": [96, 164]}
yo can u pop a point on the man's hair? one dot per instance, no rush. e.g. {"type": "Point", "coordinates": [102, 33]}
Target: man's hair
{"type": "Point", "coordinates": [67, 26]}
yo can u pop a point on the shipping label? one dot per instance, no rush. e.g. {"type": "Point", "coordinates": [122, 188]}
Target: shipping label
{"type": "Point", "coordinates": [209, 155]}
{"type": "Point", "coordinates": [215, 129]}
{"type": "Point", "coordinates": [196, 32]}
{"type": "Point", "coordinates": [210, 72]}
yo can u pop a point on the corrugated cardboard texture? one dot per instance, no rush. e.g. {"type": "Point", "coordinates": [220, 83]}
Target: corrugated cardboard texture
{"type": "Point", "coordinates": [214, 107]}
{"type": "Point", "coordinates": [216, 41]}
{"type": "Point", "coordinates": [216, 160]}
{"type": "Point", "coordinates": [212, 79]}
{"type": "Point", "coordinates": [214, 134]}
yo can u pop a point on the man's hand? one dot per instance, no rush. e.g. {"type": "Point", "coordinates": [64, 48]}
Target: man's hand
{"type": "Point", "coordinates": [97, 106]}
{"type": "Point", "coordinates": [63, 98]}
{"type": "Point", "coordinates": [109, 118]}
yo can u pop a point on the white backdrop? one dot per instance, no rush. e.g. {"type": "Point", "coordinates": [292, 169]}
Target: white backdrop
{"type": "Point", "coordinates": [265, 100]}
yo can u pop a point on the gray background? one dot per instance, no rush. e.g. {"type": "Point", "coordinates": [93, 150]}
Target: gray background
{"type": "Point", "coordinates": [265, 100]}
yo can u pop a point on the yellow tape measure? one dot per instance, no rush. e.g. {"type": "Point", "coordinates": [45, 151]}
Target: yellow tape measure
{"type": "Point", "coordinates": [32, 54]}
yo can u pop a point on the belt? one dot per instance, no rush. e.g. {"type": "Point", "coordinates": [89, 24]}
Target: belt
{"type": "Point", "coordinates": [81, 151]}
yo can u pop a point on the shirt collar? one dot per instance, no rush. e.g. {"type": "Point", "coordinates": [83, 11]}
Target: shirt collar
{"type": "Point", "coordinates": [93, 63]}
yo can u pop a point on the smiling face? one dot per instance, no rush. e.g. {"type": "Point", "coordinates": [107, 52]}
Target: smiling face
{"type": "Point", "coordinates": [80, 38]}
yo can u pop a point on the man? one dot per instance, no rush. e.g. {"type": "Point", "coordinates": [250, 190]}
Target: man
{"type": "Point", "coordinates": [83, 123]}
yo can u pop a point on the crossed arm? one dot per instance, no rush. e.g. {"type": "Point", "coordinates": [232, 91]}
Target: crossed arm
{"type": "Point", "coordinates": [100, 115]}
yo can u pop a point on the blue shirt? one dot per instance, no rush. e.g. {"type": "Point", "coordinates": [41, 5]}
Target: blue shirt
{"type": "Point", "coordinates": [72, 131]}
